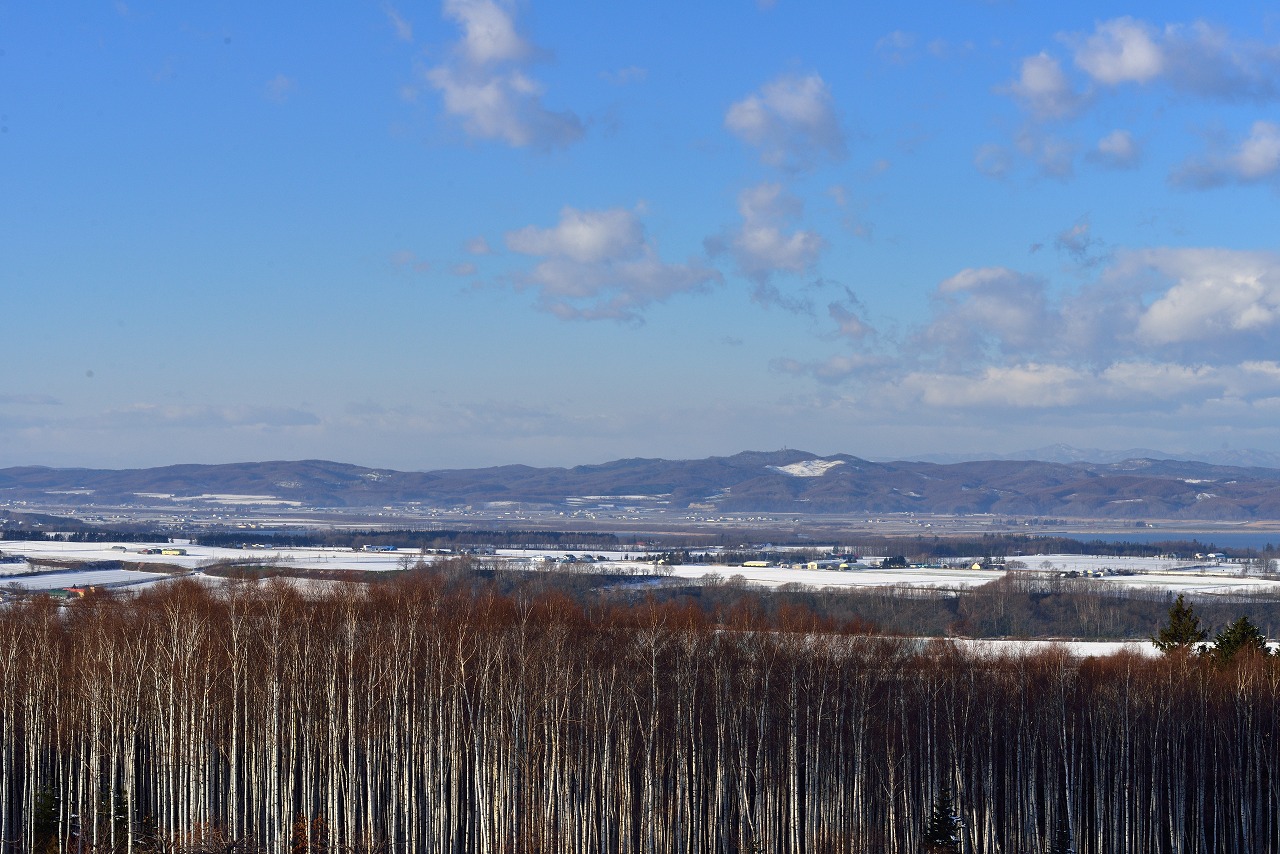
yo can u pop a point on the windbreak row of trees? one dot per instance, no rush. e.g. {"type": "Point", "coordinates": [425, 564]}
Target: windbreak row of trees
{"type": "Point", "coordinates": [427, 715]}
{"type": "Point", "coordinates": [1019, 604]}
{"type": "Point", "coordinates": [410, 538]}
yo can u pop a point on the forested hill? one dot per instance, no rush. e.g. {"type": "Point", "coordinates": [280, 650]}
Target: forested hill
{"type": "Point", "coordinates": [780, 481]}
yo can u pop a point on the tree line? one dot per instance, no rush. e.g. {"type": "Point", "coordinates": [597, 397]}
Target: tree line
{"type": "Point", "coordinates": [433, 713]}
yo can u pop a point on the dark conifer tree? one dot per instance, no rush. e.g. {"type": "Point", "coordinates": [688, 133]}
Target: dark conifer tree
{"type": "Point", "coordinates": [1240, 635]}
{"type": "Point", "coordinates": [1183, 631]}
{"type": "Point", "coordinates": [1060, 843]}
{"type": "Point", "coordinates": [942, 832]}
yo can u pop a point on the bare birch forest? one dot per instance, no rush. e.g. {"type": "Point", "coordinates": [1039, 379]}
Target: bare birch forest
{"type": "Point", "coordinates": [423, 715]}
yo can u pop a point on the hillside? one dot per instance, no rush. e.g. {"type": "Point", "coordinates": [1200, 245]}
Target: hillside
{"type": "Point", "coordinates": [780, 481]}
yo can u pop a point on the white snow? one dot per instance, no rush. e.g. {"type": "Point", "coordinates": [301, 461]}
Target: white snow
{"type": "Point", "coordinates": [91, 578]}
{"type": "Point", "coordinates": [1077, 648]}
{"type": "Point", "coordinates": [808, 468]}
{"type": "Point", "coordinates": [198, 556]}
{"type": "Point", "coordinates": [1162, 573]}
{"type": "Point", "coordinates": [233, 498]}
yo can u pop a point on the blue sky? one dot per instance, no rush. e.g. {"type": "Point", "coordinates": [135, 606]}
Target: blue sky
{"type": "Point", "coordinates": [427, 235]}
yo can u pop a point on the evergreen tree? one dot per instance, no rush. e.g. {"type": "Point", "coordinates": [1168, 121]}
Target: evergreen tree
{"type": "Point", "coordinates": [942, 832]}
{"type": "Point", "coordinates": [1183, 630]}
{"type": "Point", "coordinates": [1240, 635]}
{"type": "Point", "coordinates": [1061, 841]}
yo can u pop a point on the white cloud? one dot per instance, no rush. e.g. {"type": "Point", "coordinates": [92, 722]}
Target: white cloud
{"type": "Point", "coordinates": [1216, 294]}
{"type": "Point", "coordinates": [1158, 380]}
{"type": "Point", "coordinates": [1024, 386]}
{"type": "Point", "coordinates": [1255, 159]}
{"type": "Point", "coordinates": [601, 265]}
{"type": "Point", "coordinates": [1161, 337]}
{"type": "Point", "coordinates": [766, 245]}
{"type": "Point", "coordinates": [849, 315]}
{"type": "Point", "coordinates": [792, 120]}
{"type": "Point", "coordinates": [863, 367]}
{"type": "Point", "coordinates": [1130, 385]}
{"type": "Point", "coordinates": [1214, 306]}
{"type": "Point", "coordinates": [489, 34]}
{"type": "Point", "coordinates": [485, 85]}
{"type": "Point", "coordinates": [1196, 58]}
{"type": "Point", "coordinates": [586, 237]}
{"type": "Point", "coordinates": [1079, 242]}
{"type": "Point", "coordinates": [1259, 154]}
{"type": "Point", "coordinates": [1043, 88]}
{"type": "Point", "coordinates": [1122, 50]}
{"type": "Point", "coordinates": [1117, 150]}
{"type": "Point", "coordinates": [981, 311]}
{"type": "Point", "coordinates": [1206, 61]}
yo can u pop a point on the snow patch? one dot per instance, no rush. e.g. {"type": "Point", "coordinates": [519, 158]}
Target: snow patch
{"type": "Point", "coordinates": [808, 468]}
{"type": "Point", "coordinates": [236, 498]}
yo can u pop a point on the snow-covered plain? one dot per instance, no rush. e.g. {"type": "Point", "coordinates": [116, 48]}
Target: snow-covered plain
{"type": "Point", "coordinates": [198, 556]}
{"type": "Point", "coordinates": [1159, 573]}
{"type": "Point", "coordinates": [88, 578]}
{"type": "Point", "coordinates": [1164, 573]}
{"type": "Point", "coordinates": [776, 576]}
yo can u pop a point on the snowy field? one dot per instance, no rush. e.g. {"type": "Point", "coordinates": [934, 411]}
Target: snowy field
{"type": "Point", "coordinates": [1159, 573]}
{"type": "Point", "coordinates": [1164, 573]}
{"type": "Point", "coordinates": [1081, 649]}
{"type": "Point", "coordinates": [1181, 576]}
{"type": "Point", "coordinates": [91, 578]}
{"type": "Point", "coordinates": [198, 556]}
{"type": "Point", "coordinates": [776, 576]}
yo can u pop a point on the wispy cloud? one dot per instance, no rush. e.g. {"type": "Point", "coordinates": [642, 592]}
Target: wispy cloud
{"type": "Point", "coordinates": [1196, 58]}
{"type": "Point", "coordinates": [29, 400]}
{"type": "Point", "coordinates": [1255, 159]}
{"type": "Point", "coordinates": [767, 244]}
{"type": "Point", "coordinates": [792, 121]}
{"type": "Point", "coordinates": [279, 88]}
{"type": "Point", "coordinates": [1043, 88]}
{"type": "Point", "coordinates": [478, 245]}
{"type": "Point", "coordinates": [403, 29]}
{"type": "Point", "coordinates": [147, 415]}
{"type": "Point", "coordinates": [1117, 150]}
{"type": "Point", "coordinates": [600, 264]}
{"type": "Point", "coordinates": [624, 76]}
{"type": "Point", "coordinates": [897, 47]}
{"type": "Point", "coordinates": [1122, 50]}
{"type": "Point", "coordinates": [485, 83]}
{"type": "Point", "coordinates": [1079, 243]}
{"type": "Point", "coordinates": [1171, 329]}
{"type": "Point", "coordinates": [1217, 297]}
{"type": "Point", "coordinates": [407, 259]}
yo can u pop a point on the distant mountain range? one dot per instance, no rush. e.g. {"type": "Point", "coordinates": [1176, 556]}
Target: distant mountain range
{"type": "Point", "coordinates": [779, 481]}
{"type": "Point", "coordinates": [1245, 457]}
